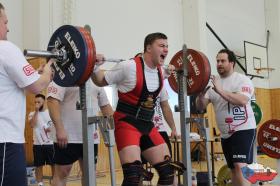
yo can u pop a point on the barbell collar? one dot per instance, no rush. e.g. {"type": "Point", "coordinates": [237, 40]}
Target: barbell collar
{"type": "Point", "coordinates": [60, 55]}
{"type": "Point", "coordinates": [178, 70]}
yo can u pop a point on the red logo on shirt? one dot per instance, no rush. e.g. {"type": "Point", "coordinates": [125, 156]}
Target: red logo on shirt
{"type": "Point", "coordinates": [229, 120]}
{"type": "Point", "coordinates": [28, 70]}
{"type": "Point", "coordinates": [95, 136]}
{"type": "Point", "coordinates": [246, 89]}
{"type": "Point", "coordinates": [52, 90]}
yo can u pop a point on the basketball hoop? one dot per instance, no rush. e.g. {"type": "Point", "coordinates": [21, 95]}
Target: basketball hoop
{"type": "Point", "coordinates": [258, 70]}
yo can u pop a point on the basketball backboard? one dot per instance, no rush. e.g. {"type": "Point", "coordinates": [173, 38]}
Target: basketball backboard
{"type": "Point", "coordinates": [256, 59]}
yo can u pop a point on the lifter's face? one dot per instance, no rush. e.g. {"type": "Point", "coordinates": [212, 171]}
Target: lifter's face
{"type": "Point", "coordinates": [3, 25]}
{"type": "Point", "coordinates": [158, 51]}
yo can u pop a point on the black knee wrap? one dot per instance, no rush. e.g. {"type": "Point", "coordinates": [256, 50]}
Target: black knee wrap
{"type": "Point", "coordinates": [165, 171]}
{"type": "Point", "coordinates": [132, 173]}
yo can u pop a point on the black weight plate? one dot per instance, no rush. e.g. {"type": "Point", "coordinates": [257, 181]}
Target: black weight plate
{"type": "Point", "coordinates": [69, 72]}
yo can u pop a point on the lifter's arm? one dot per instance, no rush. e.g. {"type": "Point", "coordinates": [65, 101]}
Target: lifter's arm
{"type": "Point", "coordinates": [98, 76]}
{"type": "Point", "coordinates": [168, 116]}
{"type": "Point", "coordinates": [46, 77]}
{"type": "Point", "coordinates": [107, 110]}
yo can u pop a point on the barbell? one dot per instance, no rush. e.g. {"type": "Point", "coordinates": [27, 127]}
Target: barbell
{"type": "Point", "coordinates": [74, 52]}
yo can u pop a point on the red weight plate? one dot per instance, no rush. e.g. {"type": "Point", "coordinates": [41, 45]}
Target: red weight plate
{"type": "Point", "coordinates": [91, 53]}
{"type": "Point", "coordinates": [269, 138]}
{"type": "Point", "coordinates": [90, 43]}
{"type": "Point", "coordinates": [199, 71]}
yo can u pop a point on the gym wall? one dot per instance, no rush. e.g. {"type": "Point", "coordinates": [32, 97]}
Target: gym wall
{"type": "Point", "coordinates": [14, 11]}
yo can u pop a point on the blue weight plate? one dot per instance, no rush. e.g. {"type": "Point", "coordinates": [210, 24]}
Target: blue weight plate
{"type": "Point", "coordinates": [69, 72]}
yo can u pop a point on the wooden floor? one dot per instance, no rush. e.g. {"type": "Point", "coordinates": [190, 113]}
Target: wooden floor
{"type": "Point", "coordinates": [103, 179]}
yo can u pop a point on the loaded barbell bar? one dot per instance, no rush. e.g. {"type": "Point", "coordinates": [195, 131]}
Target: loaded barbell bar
{"type": "Point", "coordinates": [74, 50]}
{"type": "Point", "coordinates": [60, 55]}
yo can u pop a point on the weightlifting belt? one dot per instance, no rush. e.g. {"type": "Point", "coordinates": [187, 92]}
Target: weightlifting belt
{"type": "Point", "coordinates": [138, 112]}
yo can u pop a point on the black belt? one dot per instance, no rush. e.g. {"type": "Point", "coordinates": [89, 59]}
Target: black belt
{"type": "Point", "coordinates": [139, 112]}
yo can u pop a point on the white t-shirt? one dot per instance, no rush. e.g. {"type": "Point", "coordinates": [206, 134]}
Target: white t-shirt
{"type": "Point", "coordinates": [124, 76]}
{"type": "Point", "coordinates": [72, 118]}
{"type": "Point", "coordinates": [15, 74]}
{"type": "Point", "coordinates": [40, 136]}
{"type": "Point", "coordinates": [231, 117]}
{"type": "Point", "coordinates": [158, 116]}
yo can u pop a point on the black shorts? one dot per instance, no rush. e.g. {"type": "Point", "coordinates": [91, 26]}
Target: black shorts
{"type": "Point", "coordinates": [43, 155]}
{"type": "Point", "coordinates": [146, 142]}
{"type": "Point", "coordinates": [239, 147]}
{"type": "Point", "coordinates": [12, 163]}
{"type": "Point", "coordinates": [95, 153]}
{"type": "Point", "coordinates": [70, 154]}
